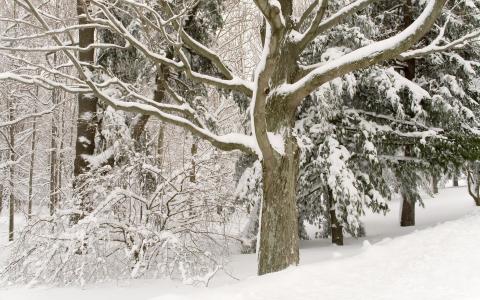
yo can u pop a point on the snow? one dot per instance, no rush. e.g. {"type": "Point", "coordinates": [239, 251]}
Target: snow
{"type": "Point", "coordinates": [84, 140]}
{"type": "Point", "coordinates": [369, 52]}
{"type": "Point", "coordinates": [437, 259]}
{"type": "Point", "coordinates": [277, 142]}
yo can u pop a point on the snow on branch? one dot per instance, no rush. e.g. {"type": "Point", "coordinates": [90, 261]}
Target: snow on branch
{"type": "Point", "coordinates": [29, 116]}
{"type": "Point", "coordinates": [272, 11]}
{"type": "Point", "coordinates": [228, 142]}
{"type": "Point", "coordinates": [434, 47]}
{"type": "Point", "coordinates": [234, 83]}
{"type": "Point", "coordinates": [365, 56]}
{"type": "Point", "coordinates": [317, 27]}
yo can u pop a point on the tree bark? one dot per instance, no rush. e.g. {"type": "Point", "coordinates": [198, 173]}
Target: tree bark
{"type": "Point", "coordinates": [455, 179]}
{"type": "Point", "coordinates": [11, 202]}
{"type": "Point", "coordinates": [87, 103]}
{"type": "Point", "coordinates": [159, 96]}
{"type": "Point", "coordinates": [32, 165]}
{"type": "Point", "coordinates": [473, 184]}
{"type": "Point", "coordinates": [408, 205]}
{"type": "Point", "coordinates": [336, 227]}
{"type": "Point", "coordinates": [408, 212]}
{"type": "Point", "coordinates": [87, 122]}
{"type": "Point", "coordinates": [53, 163]}
{"type": "Point", "coordinates": [435, 184]}
{"type": "Point", "coordinates": [193, 152]}
{"type": "Point", "coordinates": [53, 154]}
{"type": "Point", "coordinates": [279, 221]}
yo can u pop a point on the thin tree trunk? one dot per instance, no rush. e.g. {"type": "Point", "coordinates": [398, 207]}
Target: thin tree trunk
{"type": "Point", "coordinates": [11, 202]}
{"type": "Point", "coordinates": [473, 185]}
{"type": "Point", "coordinates": [158, 96]}
{"type": "Point", "coordinates": [408, 205]}
{"type": "Point", "coordinates": [435, 184]}
{"type": "Point", "coordinates": [193, 151]}
{"type": "Point", "coordinates": [53, 164]}
{"type": "Point", "coordinates": [408, 212]}
{"type": "Point", "coordinates": [336, 227]}
{"type": "Point", "coordinates": [455, 179]}
{"type": "Point", "coordinates": [160, 147]}
{"type": "Point", "coordinates": [53, 153]}
{"type": "Point", "coordinates": [1, 198]}
{"type": "Point", "coordinates": [60, 157]}
{"type": "Point", "coordinates": [32, 165]}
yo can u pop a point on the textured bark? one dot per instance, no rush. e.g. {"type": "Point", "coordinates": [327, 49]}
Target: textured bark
{"type": "Point", "coordinates": [32, 165]}
{"type": "Point", "coordinates": [87, 122]}
{"type": "Point", "coordinates": [278, 243]}
{"type": "Point", "coordinates": [158, 96]}
{"type": "Point", "coordinates": [435, 184]}
{"type": "Point", "coordinates": [11, 202]}
{"type": "Point", "coordinates": [53, 164]}
{"type": "Point", "coordinates": [193, 151]}
{"type": "Point", "coordinates": [408, 205]}
{"type": "Point", "coordinates": [336, 227]}
{"type": "Point", "coordinates": [408, 212]}
{"type": "Point", "coordinates": [279, 221]}
{"type": "Point", "coordinates": [473, 184]}
{"type": "Point", "coordinates": [87, 103]}
{"type": "Point", "coordinates": [160, 146]}
{"type": "Point", "coordinates": [53, 157]}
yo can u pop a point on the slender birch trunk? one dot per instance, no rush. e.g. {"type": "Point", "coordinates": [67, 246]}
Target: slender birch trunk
{"type": "Point", "coordinates": [11, 202]}
{"type": "Point", "coordinates": [32, 165]}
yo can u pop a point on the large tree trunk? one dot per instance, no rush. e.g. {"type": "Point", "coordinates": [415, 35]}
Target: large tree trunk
{"type": "Point", "coordinates": [87, 121]}
{"type": "Point", "coordinates": [279, 221]}
{"type": "Point", "coordinates": [87, 103]}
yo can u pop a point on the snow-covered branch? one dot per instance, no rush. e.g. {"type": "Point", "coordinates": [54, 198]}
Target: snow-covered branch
{"type": "Point", "coordinates": [317, 27]}
{"type": "Point", "coordinates": [435, 46]}
{"type": "Point", "coordinates": [366, 56]}
{"type": "Point", "coordinates": [272, 11]}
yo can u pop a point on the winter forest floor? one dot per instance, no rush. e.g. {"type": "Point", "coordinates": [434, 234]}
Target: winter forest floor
{"type": "Point", "coordinates": [437, 259]}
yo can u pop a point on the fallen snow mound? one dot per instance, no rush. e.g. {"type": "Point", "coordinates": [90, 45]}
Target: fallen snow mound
{"type": "Point", "coordinates": [441, 262]}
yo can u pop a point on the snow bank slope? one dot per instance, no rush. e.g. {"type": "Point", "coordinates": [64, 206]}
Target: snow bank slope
{"type": "Point", "coordinates": [441, 262]}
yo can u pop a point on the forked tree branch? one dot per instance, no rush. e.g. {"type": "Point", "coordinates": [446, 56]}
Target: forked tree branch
{"type": "Point", "coordinates": [365, 56]}
{"type": "Point", "coordinates": [318, 27]}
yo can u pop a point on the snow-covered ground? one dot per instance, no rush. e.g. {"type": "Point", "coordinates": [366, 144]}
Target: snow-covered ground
{"type": "Point", "coordinates": [437, 259]}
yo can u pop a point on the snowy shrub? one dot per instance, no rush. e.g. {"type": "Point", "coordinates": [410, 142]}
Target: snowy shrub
{"type": "Point", "coordinates": [131, 216]}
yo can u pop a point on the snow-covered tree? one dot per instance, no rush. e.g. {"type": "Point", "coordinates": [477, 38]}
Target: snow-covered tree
{"type": "Point", "coordinates": [280, 84]}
